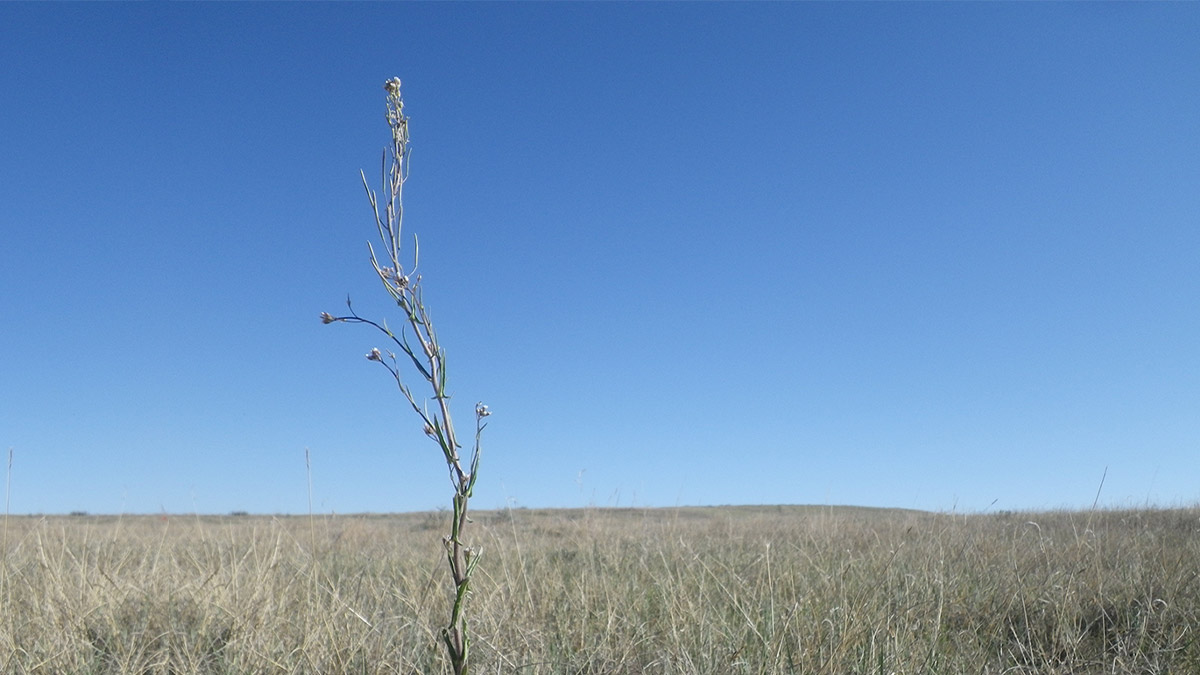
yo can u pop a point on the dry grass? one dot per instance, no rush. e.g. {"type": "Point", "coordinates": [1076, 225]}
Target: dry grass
{"type": "Point", "coordinates": [720, 590]}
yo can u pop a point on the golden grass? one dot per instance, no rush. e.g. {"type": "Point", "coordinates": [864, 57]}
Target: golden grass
{"type": "Point", "coordinates": [691, 590]}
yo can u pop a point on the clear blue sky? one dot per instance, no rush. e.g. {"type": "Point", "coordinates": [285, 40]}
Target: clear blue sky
{"type": "Point", "coordinates": [941, 256]}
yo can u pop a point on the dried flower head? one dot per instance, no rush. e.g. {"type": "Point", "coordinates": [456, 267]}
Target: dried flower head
{"type": "Point", "coordinates": [374, 355]}
{"type": "Point", "coordinates": [395, 276]}
{"type": "Point", "coordinates": [392, 86]}
{"type": "Point", "coordinates": [326, 317]}
{"type": "Point", "coordinates": [481, 410]}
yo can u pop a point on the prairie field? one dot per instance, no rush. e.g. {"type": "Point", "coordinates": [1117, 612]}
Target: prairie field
{"type": "Point", "coordinates": [785, 589]}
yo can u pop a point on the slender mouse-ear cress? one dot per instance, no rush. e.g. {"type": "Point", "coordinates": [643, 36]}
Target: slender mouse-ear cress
{"type": "Point", "coordinates": [417, 346]}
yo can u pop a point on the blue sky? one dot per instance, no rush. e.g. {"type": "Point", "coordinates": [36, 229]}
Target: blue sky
{"type": "Point", "coordinates": [937, 256]}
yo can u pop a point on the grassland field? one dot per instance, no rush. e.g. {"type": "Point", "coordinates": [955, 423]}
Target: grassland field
{"type": "Point", "coordinates": [720, 590]}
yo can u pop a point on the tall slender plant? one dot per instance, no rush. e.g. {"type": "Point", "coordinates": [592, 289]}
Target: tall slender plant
{"type": "Point", "coordinates": [418, 346]}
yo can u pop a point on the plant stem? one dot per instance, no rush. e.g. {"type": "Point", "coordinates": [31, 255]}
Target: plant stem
{"type": "Point", "coordinates": [428, 359]}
